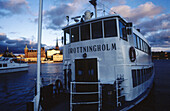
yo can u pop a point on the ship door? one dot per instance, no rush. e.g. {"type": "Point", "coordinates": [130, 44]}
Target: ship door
{"type": "Point", "coordinates": [86, 70]}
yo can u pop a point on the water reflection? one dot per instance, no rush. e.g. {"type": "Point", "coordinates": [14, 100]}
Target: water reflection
{"type": "Point", "coordinates": [18, 88]}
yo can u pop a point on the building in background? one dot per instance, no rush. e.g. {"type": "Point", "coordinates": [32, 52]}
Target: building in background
{"type": "Point", "coordinates": [1, 55]}
{"type": "Point", "coordinates": [55, 54]}
{"type": "Point", "coordinates": [8, 54]}
{"type": "Point", "coordinates": [160, 55]}
{"type": "Point", "coordinates": [31, 54]}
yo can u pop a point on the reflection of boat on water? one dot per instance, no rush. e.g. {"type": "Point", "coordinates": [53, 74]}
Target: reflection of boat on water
{"type": "Point", "coordinates": [10, 65]}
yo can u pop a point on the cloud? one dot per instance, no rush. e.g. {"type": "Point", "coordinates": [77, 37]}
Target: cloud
{"type": "Point", "coordinates": [2, 37]}
{"type": "Point", "coordinates": [157, 31]}
{"type": "Point", "coordinates": [55, 17]}
{"type": "Point", "coordinates": [153, 24]}
{"type": "Point", "coordinates": [11, 7]}
{"type": "Point", "coordinates": [161, 39]}
{"type": "Point", "coordinates": [147, 10]}
{"type": "Point", "coordinates": [113, 1]}
{"type": "Point", "coordinates": [15, 45]}
{"type": "Point", "coordinates": [159, 23]}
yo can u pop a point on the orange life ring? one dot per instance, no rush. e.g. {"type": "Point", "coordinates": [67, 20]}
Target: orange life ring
{"type": "Point", "coordinates": [132, 54]}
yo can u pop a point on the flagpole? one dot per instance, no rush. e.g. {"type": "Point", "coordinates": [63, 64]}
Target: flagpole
{"type": "Point", "coordinates": [39, 55]}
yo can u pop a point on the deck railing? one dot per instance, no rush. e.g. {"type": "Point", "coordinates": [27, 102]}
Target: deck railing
{"type": "Point", "coordinates": [84, 94]}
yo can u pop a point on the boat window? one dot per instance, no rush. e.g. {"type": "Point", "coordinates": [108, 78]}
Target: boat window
{"type": "Point", "coordinates": [66, 36]}
{"type": "Point", "coordinates": [110, 29]}
{"type": "Point", "coordinates": [75, 34]}
{"type": "Point", "coordinates": [134, 78]}
{"type": "Point", "coordinates": [4, 65]}
{"type": "Point", "coordinates": [122, 29]}
{"type": "Point", "coordinates": [0, 65]}
{"type": "Point", "coordinates": [138, 76]}
{"type": "Point", "coordinates": [146, 47]}
{"type": "Point", "coordinates": [97, 30]}
{"type": "Point", "coordinates": [141, 43]}
{"type": "Point", "coordinates": [85, 32]}
{"type": "Point", "coordinates": [135, 40]}
{"type": "Point", "coordinates": [139, 46]}
{"type": "Point", "coordinates": [142, 74]}
{"type": "Point", "coordinates": [150, 51]}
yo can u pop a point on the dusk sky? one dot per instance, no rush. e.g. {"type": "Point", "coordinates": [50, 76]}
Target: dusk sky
{"type": "Point", "coordinates": [18, 20]}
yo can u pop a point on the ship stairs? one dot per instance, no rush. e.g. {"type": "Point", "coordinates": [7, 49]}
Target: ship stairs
{"type": "Point", "coordinates": [85, 96]}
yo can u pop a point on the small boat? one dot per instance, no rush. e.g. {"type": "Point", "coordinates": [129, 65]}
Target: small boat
{"type": "Point", "coordinates": [10, 65]}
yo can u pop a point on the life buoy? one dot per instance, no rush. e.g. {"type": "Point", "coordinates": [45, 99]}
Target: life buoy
{"type": "Point", "coordinates": [59, 86]}
{"type": "Point", "coordinates": [132, 54]}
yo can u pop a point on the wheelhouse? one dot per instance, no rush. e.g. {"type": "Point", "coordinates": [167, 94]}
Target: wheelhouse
{"type": "Point", "coordinates": [108, 27]}
{"type": "Point", "coordinates": [111, 26]}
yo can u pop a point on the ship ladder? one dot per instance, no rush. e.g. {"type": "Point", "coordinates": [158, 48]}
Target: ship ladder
{"type": "Point", "coordinates": [119, 88]}
{"type": "Point", "coordinates": [74, 93]}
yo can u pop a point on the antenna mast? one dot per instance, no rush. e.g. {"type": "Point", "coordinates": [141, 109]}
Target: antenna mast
{"type": "Point", "coordinates": [93, 2]}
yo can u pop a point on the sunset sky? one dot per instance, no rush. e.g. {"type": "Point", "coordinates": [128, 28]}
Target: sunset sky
{"type": "Point", "coordinates": [18, 20]}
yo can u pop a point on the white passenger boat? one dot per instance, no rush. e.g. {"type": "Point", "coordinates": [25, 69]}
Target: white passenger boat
{"type": "Point", "coordinates": [10, 65]}
{"type": "Point", "coordinates": [107, 64]}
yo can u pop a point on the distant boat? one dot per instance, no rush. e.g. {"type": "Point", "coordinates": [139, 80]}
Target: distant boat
{"type": "Point", "coordinates": [10, 65]}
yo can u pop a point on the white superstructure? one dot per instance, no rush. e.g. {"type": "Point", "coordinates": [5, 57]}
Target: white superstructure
{"type": "Point", "coordinates": [107, 64]}
{"type": "Point", "coordinates": [10, 65]}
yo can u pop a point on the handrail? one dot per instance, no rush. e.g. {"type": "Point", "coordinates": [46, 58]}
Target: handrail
{"type": "Point", "coordinates": [98, 101]}
{"type": "Point", "coordinates": [85, 82]}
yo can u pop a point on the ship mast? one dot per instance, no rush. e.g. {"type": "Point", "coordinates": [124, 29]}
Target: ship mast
{"type": "Point", "coordinates": [93, 2]}
{"type": "Point", "coordinates": [37, 101]}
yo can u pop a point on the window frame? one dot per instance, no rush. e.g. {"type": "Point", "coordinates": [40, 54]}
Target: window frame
{"type": "Point", "coordinates": [116, 29]}
{"type": "Point", "coordinates": [134, 78]}
{"type": "Point", "coordinates": [83, 34]}
{"type": "Point", "coordinates": [65, 38]}
{"type": "Point", "coordinates": [78, 34]}
{"type": "Point", "coordinates": [121, 31]}
{"type": "Point", "coordinates": [102, 33]}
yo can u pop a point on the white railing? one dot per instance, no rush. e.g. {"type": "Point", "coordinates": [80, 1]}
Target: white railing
{"type": "Point", "coordinates": [74, 92]}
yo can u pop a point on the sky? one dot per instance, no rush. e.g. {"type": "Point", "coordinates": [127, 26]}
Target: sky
{"type": "Point", "coordinates": [19, 20]}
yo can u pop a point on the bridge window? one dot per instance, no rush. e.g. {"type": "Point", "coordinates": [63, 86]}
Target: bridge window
{"type": "Point", "coordinates": [97, 30]}
{"type": "Point", "coordinates": [66, 36]}
{"type": "Point", "coordinates": [85, 32]}
{"type": "Point", "coordinates": [122, 29]}
{"type": "Point", "coordinates": [75, 34]}
{"type": "Point", "coordinates": [110, 29]}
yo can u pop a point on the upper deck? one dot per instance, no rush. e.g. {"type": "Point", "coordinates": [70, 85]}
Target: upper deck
{"type": "Point", "coordinates": [107, 28]}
